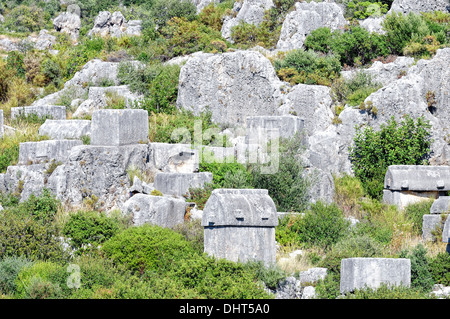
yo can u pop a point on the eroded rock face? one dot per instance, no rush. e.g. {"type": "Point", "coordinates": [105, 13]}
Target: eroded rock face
{"type": "Point", "coordinates": [69, 23]}
{"type": "Point", "coordinates": [407, 6]}
{"type": "Point", "coordinates": [308, 17]}
{"type": "Point", "coordinates": [114, 25]}
{"type": "Point", "coordinates": [248, 11]}
{"type": "Point", "coordinates": [231, 85]}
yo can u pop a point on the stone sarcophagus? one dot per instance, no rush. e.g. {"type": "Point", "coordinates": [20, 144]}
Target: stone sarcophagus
{"type": "Point", "coordinates": [406, 184]}
{"type": "Point", "coordinates": [239, 225]}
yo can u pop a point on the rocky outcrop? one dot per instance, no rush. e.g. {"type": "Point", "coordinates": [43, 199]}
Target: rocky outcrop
{"type": "Point", "coordinates": [248, 11]}
{"type": "Point", "coordinates": [308, 17]}
{"type": "Point", "coordinates": [407, 6]}
{"type": "Point", "coordinates": [114, 25]}
{"type": "Point", "coordinates": [69, 23]}
{"type": "Point", "coordinates": [231, 85]}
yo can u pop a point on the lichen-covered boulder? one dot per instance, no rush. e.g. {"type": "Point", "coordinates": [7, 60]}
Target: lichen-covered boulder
{"type": "Point", "coordinates": [407, 6]}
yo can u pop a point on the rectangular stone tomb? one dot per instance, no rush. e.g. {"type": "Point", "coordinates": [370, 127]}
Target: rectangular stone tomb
{"type": "Point", "coordinates": [239, 225]}
{"type": "Point", "coordinates": [119, 127]}
{"type": "Point", "coordinates": [156, 210]}
{"type": "Point", "coordinates": [406, 184]}
{"type": "Point", "coordinates": [359, 273]}
{"type": "Point", "coordinates": [260, 128]}
{"type": "Point", "coordinates": [174, 158]}
{"type": "Point", "coordinates": [55, 112]}
{"type": "Point", "coordinates": [46, 151]}
{"type": "Point", "coordinates": [441, 205]}
{"type": "Point", "coordinates": [65, 129]}
{"type": "Point", "coordinates": [178, 184]}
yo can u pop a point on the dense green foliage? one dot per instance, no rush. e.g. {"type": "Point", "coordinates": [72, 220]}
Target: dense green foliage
{"type": "Point", "coordinates": [405, 143]}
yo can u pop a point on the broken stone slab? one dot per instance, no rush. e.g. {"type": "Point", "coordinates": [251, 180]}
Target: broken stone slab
{"type": "Point", "coordinates": [261, 128]}
{"type": "Point", "coordinates": [441, 205]}
{"type": "Point", "coordinates": [119, 127]}
{"type": "Point", "coordinates": [313, 275]}
{"type": "Point", "coordinates": [446, 231]}
{"type": "Point", "coordinates": [56, 112]}
{"type": "Point", "coordinates": [156, 210]}
{"type": "Point", "coordinates": [401, 199]}
{"type": "Point", "coordinates": [359, 273]}
{"type": "Point", "coordinates": [178, 184]}
{"type": "Point", "coordinates": [46, 151]}
{"type": "Point", "coordinates": [100, 171]}
{"type": "Point", "coordinates": [174, 158]}
{"type": "Point", "coordinates": [431, 223]}
{"type": "Point", "coordinates": [239, 225]}
{"type": "Point", "coordinates": [65, 129]}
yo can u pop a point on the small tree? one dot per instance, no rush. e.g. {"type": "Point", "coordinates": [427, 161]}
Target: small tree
{"type": "Point", "coordinates": [407, 143]}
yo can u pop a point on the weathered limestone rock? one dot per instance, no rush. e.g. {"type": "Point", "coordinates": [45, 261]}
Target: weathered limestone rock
{"type": "Point", "coordinates": [174, 158]}
{"type": "Point", "coordinates": [44, 41]}
{"type": "Point", "coordinates": [25, 180]}
{"type": "Point", "coordinates": [65, 129]}
{"type": "Point", "coordinates": [233, 85]}
{"type": "Point", "coordinates": [119, 127]}
{"type": "Point", "coordinates": [308, 17]}
{"type": "Point", "coordinates": [406, 184]}
{"type": "Point", "coordinates": [45, 151]}
{"type": "Point", "coordinates": [357, 273]}
{"type": "Point", "coordinates": [99, 97]}
{"type": "Point", "coordinates": [441, 205]}
{"type": "Point", "coordinates": [201, 4]}
{"type": "Point", "coordinates": [156, 210]}
{"type": "Point", "coordinates": [260, 127]}
{"type": "Point", "coordinates": [114, 25]}
{"type": "Point", "coordinates": [312, 103]}
{"type": "Point", "coordinates": [430, 223]}
{"type": "Point", "coordinates": [69, 23]}
{"type": "Point", "coordinates": [446, 231]}
{"type": "Point", "coordinates": [373, 24]}
{"type": "Point", "coordinates": [56, 112]}
{"type": "Point", "coordinates": [178, 184]}
{"type": "Point", "coordinates": [313, 275]}
{"type": "Point", "coordinates": [100, 171]}
{"type": "Point", "coordinates": [239, 225]}
{"type": "Point", "coordinates": [248, 11]}
{"type": "Point", "coordinates": [407, 6]}
{"type": "Point", "coordinates": [322, 185]}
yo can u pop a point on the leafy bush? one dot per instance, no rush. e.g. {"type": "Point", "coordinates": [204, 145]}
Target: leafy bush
{"type": "Point", "coordinates": [24, 18]}
{"type": "Point", "coordinates": [287, 187]}
{"type": "Point", "coordinates": [347, 195]}
{"type": "Point", "coordinates": [354, 90]}
{"type": "Point", "coordinates": [223, 172]}
{"type": "Point", "coordinates": [416, 211]}
{"type": "Point", "coordinates": [439, 267]}
{"type": "Point", "coordinates": [322, 225]}
{"type": "Point", "coordinates": [199, 195]}
{"type": "Point", "coordinates": [9, 270]}
{"type": "Point", "coordinates": [90, 228]}
{"type": "Point", "coordinates": [388, 292]}
{"type": "Point", "coordinates": [164, 10]}
{"type": "Point", "coordinates": [421, 277]}
{"type": "Point", "coordinates": [405, 143]}
{"type": "Point", "coordinates": [361, 9]}
{"type": "Point", "coordinates": [147, 247]}
{"type": "Point", "coordinates": [299, 66]}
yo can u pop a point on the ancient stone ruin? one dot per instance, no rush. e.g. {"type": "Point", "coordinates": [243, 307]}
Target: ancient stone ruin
{"type": "Point", "coordinates": [406, 184]}
{"type": "Point", "coordinates": [239, 225]}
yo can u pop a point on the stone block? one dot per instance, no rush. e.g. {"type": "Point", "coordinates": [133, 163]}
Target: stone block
{"type": "Point", "coordinates": [418, 178]}
{"type": "Point", "coordinates": [261, 128]}
{"type": "Point", "coordinates": [174, 158]}
{"type": "Point", "coordinates": [56, 112]}
{"type": "Point", "coordinates": [441, 205]}
{"type": "Point", "coordinates": [358, 273]}
{"type": "Point", "coordinates": [119, 127]}
{"type": "Point", "coordinates": [156, 210]}
{"type": "Point", "coordinates": [46, 151]}
{"type": "Point", "coordinates": [430, 222]}
{"type": "Point", "coordinates": [446, 231]}
{"type": "Point", "coordinates": [178, 184]}
{"type": "Point", "coordinates": [65, 129]}
{"type": "Point", "coordinates": [404, 198]}
{"type": "Point", "coordinates": [239, 225]}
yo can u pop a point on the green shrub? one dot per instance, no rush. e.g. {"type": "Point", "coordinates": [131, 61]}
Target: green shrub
{"type": "Point", "coordinates": [354, 90]}
{"type": "Point", "coordinates": [358, 246]}
{"type": "Point", "coordinates": [421, 277]}
{"type": "Point", "coordinates": [322, 226]}
{"type": "Point", "coordinates": [24, 18]}
{"type": "Point", "coordinates": [90, 228]}
{"type": "Point", "coordinates": [415, 213]}
{"type": "Point", "coordinates": [440, 268]}
{"type": "Point", "coordinates": [226, 175]}
{"type": "Point", "coordinates": [147, 247]}
{"type": "Point", "coordinates": [405, 143]}
{"type": "Point", "coordinates": [9, 270]}
{"type": "Point", "coordinates": [287, 186]}
{"type": "Point", "coordinates": [199, 195]}
{"type": "Point", "coordinates": [14, 63]}
{"type": "Point", "coordinates": [299, 66]}
{"type": "Point", "coordinates": [361, 9]}
{"type": "Point", "coordinates": [388, 292]}
{"type": "Point", "coordinates": [164, 10]}
{"type": "Point", "coordinates": [43, 208]}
